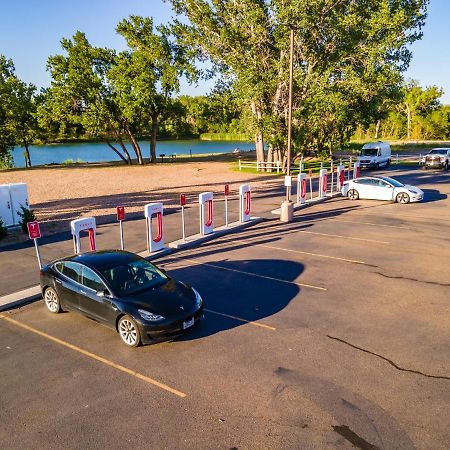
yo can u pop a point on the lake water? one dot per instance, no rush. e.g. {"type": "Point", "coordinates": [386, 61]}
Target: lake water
{"type": "Point", "coordinates": [100, 152]}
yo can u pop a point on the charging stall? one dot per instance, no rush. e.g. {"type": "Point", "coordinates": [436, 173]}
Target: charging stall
{"type": "Point", "coordinates": [340, 177]}
{"type": "Point", "coordinates": [205, 201]}
{"type": "Point", "coordinates": [323, 181]}
{"type": "Point", "coordinates": [154, 211]}
{"type": "Point", "coordinates": [301, 188]}
{"type": "Point", "coordinates": [245, 203]}
{"type": "Point", "coordinates": [83, 225]}
{"type": "Point", "coordinates": [356, 170]}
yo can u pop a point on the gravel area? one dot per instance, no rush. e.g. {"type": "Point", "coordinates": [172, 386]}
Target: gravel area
{"type": "Point", "coordinates": [61, 194]}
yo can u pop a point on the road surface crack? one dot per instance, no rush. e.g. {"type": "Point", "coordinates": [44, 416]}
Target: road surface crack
{"type": "Point", "coordinates": [436, 283]}
{"type": "Point", "coordinates": [392, 363]}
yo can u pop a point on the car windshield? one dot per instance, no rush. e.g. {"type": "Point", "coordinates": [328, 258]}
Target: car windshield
{"type": "Point", "coordinates": [135, 276]}
{"type": "Point", "coordinates": [439, 151]}
{"type": "Point", "coordinates": [392, 181]}
{"type": "Point", "coordinates": [369, 152]}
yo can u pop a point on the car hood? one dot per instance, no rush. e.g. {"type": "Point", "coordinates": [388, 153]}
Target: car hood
{"type": "Point", "coordinates": [168, 299]}
{"type": "Point", "coordinates": [413, 188]}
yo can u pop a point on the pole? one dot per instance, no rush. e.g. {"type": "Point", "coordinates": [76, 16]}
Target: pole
{"type": "Point", "coordinates": [226, 210]}
{"type": "Point", "coordinates": [183, 224]}
{"type": "Point", "coordinates": [289, 143]}
{"type": "Point", "coordinates": [332, 177]}
{"type": "Point", "coordinates": [122, 247]}
{"type": "Point", "coordinates": [37, 253]}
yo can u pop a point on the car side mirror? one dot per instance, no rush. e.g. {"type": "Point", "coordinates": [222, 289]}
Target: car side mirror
{"type": "Point", "coordinates": [164, 271]}
{"type": "Point", "coordinates": [104, 293]}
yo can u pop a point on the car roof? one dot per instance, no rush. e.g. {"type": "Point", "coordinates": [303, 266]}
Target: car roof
{"type": "Point", "coordinates": [103, 259]}
{"type": "Point", "coordinates": [440, 148]}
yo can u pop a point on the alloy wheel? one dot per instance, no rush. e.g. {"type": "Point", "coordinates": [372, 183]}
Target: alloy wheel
{"type": "Point", "coordinates": [51, 300]}
{"type": "Point", "coordinates": [128, 332]}
{"type": "Point", "coordinates": [353, 194]}
{"type": "Point", "coordinates": [403, 197]}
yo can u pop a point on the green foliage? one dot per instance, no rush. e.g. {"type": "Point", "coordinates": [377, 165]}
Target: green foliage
{"type": "Point", "coordinates": [27, 215]}
{"type": "Point", "coordinates": [3, 229]}
{"type": "Point", "coordinates": [70, 161]}
{"type": "Point", "coordinates": [225, 137]}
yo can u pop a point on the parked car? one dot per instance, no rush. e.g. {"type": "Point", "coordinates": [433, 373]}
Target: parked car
{"type": "Point", "coordinates": [381, 188]}
{"type": "Point", "coordinates": [437, 158]}
{"type": "Point", "coordinates": [123, 291]}
{"type": "Point", "coordinates": [374, 155]}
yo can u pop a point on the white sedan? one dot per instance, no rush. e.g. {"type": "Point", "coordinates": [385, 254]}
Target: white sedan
{"type": "Point", "coordinates": [381, 188]}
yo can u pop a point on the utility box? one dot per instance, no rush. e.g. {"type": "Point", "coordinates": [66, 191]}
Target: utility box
{"type": "Point", "coordinates": [12, 198]}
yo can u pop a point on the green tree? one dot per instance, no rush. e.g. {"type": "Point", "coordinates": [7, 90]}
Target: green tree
{"type": "Point", "coordinates": [147, 76]}
{"type": "Point", "coordinates": [7, 138]}
{"type": "Point", "coordinates": [346, 53]}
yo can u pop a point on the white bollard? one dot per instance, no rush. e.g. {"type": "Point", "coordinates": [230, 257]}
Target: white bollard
{"type": "Point", "coordinates": [323, 181]}
{"type": "Point", "coordinates": [206, 213]}
{"type": "Point", "coordinates": [245, 203]}
{"type": "Point", "coordinates": [154, 211]}
{"type": "Point", "coordinates": [340, 178]}
{"type": "Point", "coordinates": [86, 224]}
{"type": "Point", "coordinates": [301, 188]}
{"type": "Point", "coordinates": [356, 170]}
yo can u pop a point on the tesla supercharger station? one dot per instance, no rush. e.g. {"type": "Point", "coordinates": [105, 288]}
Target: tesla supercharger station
{"type": "Point", "coordinates": [340, 177]}
{"type": "Point", "coordinates": [12, 197]}
{"type": "Point", "coordinates": [301, 188]}
{"type": "Point", "coordinates": [245, 202]}
{"type": "Point", "coordinates": [323, 181]}
{"type": "Point", "coordinates": [154, 211]}
{"type": "Point", "coordinates": [85, 224]}
{"type": "Point", "coordinates": [356, 170]}
{"type": "Point", "coordinates": [205, 201]}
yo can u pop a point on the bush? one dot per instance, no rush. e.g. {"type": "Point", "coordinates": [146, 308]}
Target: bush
{"type": "Point", "coordinates": [3, 229]}
{"type": "Point", "coordinates": [27, 216]}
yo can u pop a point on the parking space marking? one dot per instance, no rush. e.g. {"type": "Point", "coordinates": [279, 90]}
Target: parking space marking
{"type": "Point", "coordinates": [373, 224]}
{"type": "Point", "coordinates": [251, 322]}
{"type": "Point", "coordinates": [314, 254]}
{"type": "Point", "coordinates": [96, 357]}
{"type": "Point", "coordinates": [253, 274]}
{"type": "Point", "coordinates": [342, 237]}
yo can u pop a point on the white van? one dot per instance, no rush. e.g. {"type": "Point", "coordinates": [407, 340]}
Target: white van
{"type": "Point", "coordinates": [375, 155]}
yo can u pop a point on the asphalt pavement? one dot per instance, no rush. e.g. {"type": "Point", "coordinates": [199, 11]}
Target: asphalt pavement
{"type": "Point", "coordinates": [328, 332]}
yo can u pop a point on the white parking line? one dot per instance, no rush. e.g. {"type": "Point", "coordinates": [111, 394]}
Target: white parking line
{"type": "Point", "coordinates": [343, 237]}
{"type": "Point", "coordinates": [373, 224]}
{"type": "Point", "coordinates": [240, 319]}
{"type": "Point", "coordinates": [252, 274]}
{"type": "Point", "coordinates": [314, 254]}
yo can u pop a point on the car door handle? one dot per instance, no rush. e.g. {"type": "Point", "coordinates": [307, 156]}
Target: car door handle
{"type": "Point", "coordinates": [58, 281]}
{"type": "Point", "coordinates": [82, 292]}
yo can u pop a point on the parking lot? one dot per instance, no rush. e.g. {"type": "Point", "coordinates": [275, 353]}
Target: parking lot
{"type": "Point", "coordinates": [328, 332]}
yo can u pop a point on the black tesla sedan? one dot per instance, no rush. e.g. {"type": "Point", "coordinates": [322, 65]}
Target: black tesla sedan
{"type": "Point", "coordinates": [124, 291]}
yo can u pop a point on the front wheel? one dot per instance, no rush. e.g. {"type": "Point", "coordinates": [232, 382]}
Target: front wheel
{"type": "Point", "coordinates": [129, 331]}
{"type": "Point", "coordinates": [388, 163]}
{"type": "Point", "coordinates": [403, 198]}
{"type": "Point", "coordinates": [52, 302]}
{"type": "Point", "coordinates": [353, 194]}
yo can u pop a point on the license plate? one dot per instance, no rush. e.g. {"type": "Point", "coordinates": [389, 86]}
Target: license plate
{"type": "Point", "coordinates": [188, 323]}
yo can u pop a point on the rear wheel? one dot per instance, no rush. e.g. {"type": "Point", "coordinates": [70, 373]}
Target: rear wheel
{"type": "Point", "coordinates": [129, 331]}
{"type": "Point", "coordinates": [388, 163]}
{"type": "Point", "coordinates": [52, 302]}
{"type": "Point", "coordinates": [403, 198]}
{"type": "Point", "coordinates": [353, 194]}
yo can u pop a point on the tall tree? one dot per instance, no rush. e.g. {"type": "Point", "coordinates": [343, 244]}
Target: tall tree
{"type": "Point", "coordinates": [148, 75]}
{"type": "Point", "coordinates": [346, 53]}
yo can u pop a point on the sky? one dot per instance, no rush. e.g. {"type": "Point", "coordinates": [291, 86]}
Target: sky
{"type": "Point", "coordinates": [31, 31]}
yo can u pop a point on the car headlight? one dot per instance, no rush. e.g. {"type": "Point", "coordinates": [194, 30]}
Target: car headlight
{"type": "Point", "coordinates": [147, 315]}
{"type": "Point", "coordinates": [198, 298]}
{"type": "Point", "coordinates": [412, 192]}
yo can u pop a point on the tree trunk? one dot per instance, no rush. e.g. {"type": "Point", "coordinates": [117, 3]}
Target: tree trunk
{"type": "Point", "coordinates": [27, 151]}
{"type": "Point", "coordinates": [124, 149]}
{"type": "Point", "coordinates": [117, 152]}
{"type": "Point", "coordinates": [153, 138]}
{"type": "Point", "coordinates": [136, 147]}
{"type": "Point", "coordinates": [259, 138]}
{"type": "Point", "coordinates": [408, 118]}
{"type": "Point", "coordinates": [377, 128]}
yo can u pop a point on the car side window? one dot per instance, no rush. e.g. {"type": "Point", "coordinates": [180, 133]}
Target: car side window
{"type": "Point", "coordinates": [91, 280]}
{"type": "Point", "coordinates": [383, 184]}
{"type": "Point", "coordinates": [71, 270]}
{"type": "Point", "coordinates": [364, 181]}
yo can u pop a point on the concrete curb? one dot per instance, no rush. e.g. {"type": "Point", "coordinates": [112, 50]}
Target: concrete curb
{"type": "Point", "coordinates": [191, 241]}
{"type": "Point", "coordinates": [33, 293]}
{"type": "Point", "coordinates": [312, 202]}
